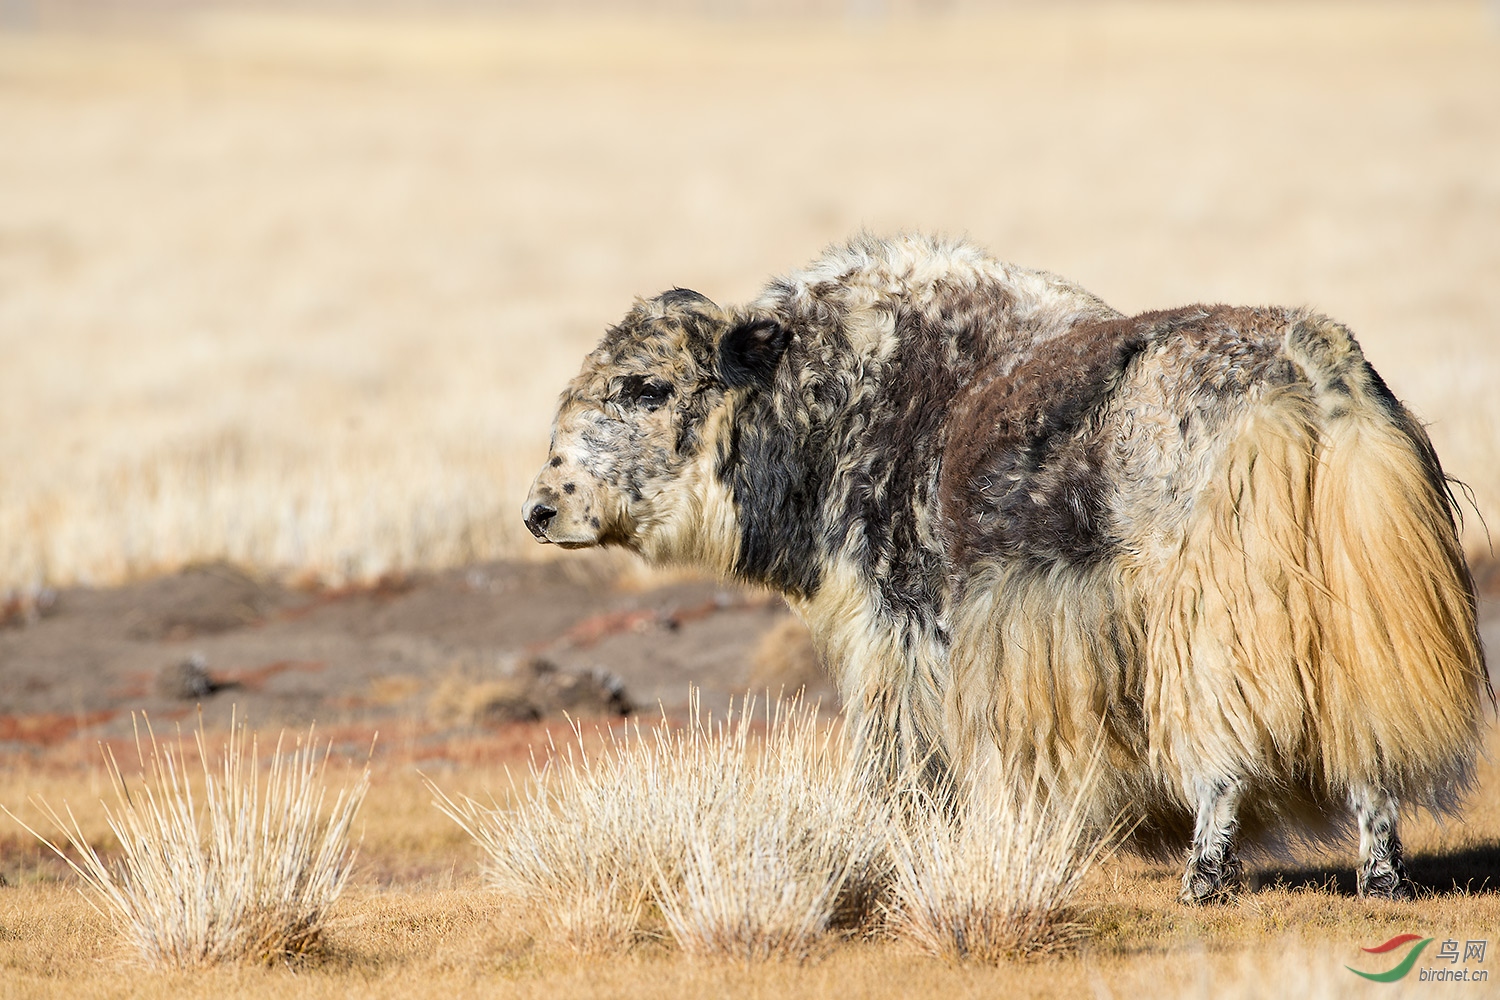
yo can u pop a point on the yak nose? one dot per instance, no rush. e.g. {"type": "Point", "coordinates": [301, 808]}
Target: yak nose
{"type": "Point", "coordinates": [538, 516]}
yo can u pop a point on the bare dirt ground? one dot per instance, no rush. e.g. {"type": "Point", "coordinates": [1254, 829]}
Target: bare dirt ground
{"type": "Point", "coordinates": [456, 650]}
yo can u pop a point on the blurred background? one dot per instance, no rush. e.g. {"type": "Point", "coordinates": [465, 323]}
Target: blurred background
{"type": "Point", "coordinates": [296, 285]}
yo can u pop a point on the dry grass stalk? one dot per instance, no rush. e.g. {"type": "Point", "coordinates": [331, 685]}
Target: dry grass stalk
{"type": "Point", "coordinates": [993, 878]}
{"type": "Point", "coordinates": [747, 845]}
{"type": "Point", "coordinates": [250, 875]}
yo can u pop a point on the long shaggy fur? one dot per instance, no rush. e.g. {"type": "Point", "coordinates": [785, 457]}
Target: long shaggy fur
{"type": "Point", "coordinates": [1016, 520]}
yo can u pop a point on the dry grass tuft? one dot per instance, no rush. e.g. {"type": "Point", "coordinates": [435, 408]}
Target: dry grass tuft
{"type": "Point", "coordinates": [575, 850]}
{"type": "Point", "coordinates": [746, 843]}
{"type": "Point", "coordinates": [776, 845]}
{"type": "Point", "coordinates": [994, 879]}
{"type": "Point", "coordinates": [751, 843]}
{"type": "Point", "coordinates": [250, 875]}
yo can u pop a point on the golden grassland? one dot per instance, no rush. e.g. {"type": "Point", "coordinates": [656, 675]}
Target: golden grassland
{"type": "Point", "coordinates": [299, 291]}
{"type": "Point", "coordinates": [418, 922]}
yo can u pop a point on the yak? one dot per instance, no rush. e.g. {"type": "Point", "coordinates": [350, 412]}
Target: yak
{"type": "Point", "coordinates": [1025, 530]}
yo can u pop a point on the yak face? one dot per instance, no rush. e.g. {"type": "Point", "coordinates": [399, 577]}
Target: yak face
{"type": "Point", "coordinates": [639, 430]}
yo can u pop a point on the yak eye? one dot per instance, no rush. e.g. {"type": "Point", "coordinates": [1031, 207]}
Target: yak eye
{"type": "Point", "coordinates": [648, 393]}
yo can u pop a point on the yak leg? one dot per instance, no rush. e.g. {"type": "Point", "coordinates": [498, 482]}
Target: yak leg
{"type": "Point", "coordinates": [1214, 871]}
{"type": "Point", "coordinates": [1382, 873]}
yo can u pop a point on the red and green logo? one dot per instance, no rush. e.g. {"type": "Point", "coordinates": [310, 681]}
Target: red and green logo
{"type": "Point", "coordinates": [1402, 967]}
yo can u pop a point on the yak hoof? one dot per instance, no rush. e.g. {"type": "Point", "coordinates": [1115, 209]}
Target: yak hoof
{"type": "Point", "coordinates": [1386, 882]}
{"type": "Point", "coordinates": [1204, 883]}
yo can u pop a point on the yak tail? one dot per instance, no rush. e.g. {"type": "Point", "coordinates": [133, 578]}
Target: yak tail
{"type": "Point", "coordinates": [1402, 667]}
{"type": "Point", "coordinates": [1319, 627]}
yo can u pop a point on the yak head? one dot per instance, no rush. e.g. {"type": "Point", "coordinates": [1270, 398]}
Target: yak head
{"type": "Point", "coordinates": [643, 432]}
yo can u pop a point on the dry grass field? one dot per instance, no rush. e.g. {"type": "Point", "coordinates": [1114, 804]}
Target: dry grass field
{"type": "Point", "coordinates": [417, 921]}
{"type": "Point", "coordinates": [298, 291]}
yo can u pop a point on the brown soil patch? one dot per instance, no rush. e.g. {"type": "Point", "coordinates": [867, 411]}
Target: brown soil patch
{"type": "Point", "coordinates": [48, 728]}
{"type": "Point", "coordinates": [451, 652]}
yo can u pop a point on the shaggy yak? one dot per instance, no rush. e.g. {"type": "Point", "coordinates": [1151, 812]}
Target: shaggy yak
{"type": "Point", "coordinates": [1024, 529]}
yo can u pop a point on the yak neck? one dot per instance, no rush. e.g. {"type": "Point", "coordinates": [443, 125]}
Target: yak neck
{"type": "Point", "coordinates": [779, 461]}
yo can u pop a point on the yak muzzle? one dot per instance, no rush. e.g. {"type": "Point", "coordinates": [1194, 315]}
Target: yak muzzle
{"type": "Point", "coordinates": [537, 515]}
{"type": "Point", "coordinates": [569, 513]}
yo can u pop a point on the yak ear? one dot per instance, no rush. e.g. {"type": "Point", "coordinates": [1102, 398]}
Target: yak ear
{"type": "Point", "coordinates": [749, 352]}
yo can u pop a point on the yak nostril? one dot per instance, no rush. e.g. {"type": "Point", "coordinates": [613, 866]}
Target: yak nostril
{"type": "Point", "coordinates": [539, 517]}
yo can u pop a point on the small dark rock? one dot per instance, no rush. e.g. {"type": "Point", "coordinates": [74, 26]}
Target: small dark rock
{"type": "Point", "coordinates": [500, 703]}
{"type": "Point", "coordinates": [594, 691]}
{"type": "Point", "coordinates": [185, 681]}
